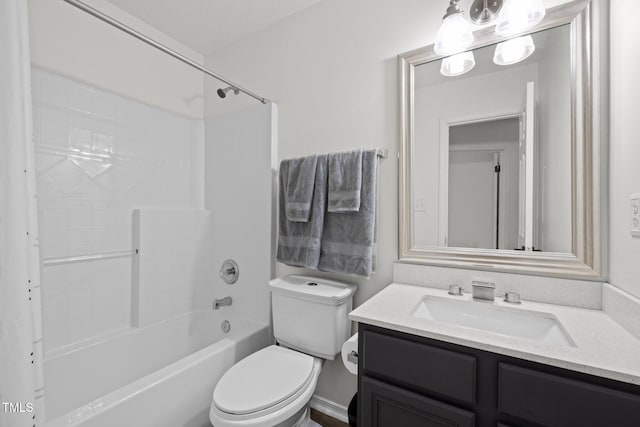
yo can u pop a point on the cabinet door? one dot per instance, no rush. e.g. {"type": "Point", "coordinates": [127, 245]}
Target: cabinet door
{"type": "Point", "coordinates": [551, 400]}
{"type": "Point", "coordinates": [420, 366]}
{"type": "Point", "coordinates": [384, 405]}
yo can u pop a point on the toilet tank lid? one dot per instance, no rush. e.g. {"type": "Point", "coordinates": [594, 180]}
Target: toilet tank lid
{"type": "Point", "coordinates": [313, 289]}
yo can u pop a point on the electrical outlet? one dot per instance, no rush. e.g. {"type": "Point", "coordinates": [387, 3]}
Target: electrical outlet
{"type": "Point", "coordinates": [635, 215]}
{"type": "Point", "coordinates": [420, 206]}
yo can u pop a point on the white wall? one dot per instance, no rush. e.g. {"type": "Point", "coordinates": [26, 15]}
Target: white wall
{"type": "Point", "coordinates": [332, 69]}
{"type": "Point", "coordinates": [624, 144]}
{"type": "Point", "coordinates": [75, 44]}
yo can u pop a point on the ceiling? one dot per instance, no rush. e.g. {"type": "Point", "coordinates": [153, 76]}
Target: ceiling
{"type": "Point", "coordinates": [208, 25]}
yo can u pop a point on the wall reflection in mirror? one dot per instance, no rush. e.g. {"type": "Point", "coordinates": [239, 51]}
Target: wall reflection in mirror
{"type": "Point", "coordinates": [491, 161]}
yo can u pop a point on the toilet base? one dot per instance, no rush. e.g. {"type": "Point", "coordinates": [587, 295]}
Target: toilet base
{"type": "Point", "coordinates": [305, 420]}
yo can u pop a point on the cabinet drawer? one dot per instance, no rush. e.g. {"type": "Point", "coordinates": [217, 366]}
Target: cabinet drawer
{"type": "Point", "coordinates": [420, 366]}
{"type": "Point", "coordinates": [385, 405]}
{"type": "Point", "coordinates": [553, 400]}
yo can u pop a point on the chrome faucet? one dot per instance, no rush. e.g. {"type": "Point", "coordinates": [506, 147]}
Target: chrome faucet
{"type": "Point", "coordinates": [483, 290]}
{"type": "Point", "coordinates": [217, 303]}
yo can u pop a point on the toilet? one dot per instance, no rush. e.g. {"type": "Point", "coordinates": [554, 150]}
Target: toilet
{"type": "Point", "coordinates": [273, 386]}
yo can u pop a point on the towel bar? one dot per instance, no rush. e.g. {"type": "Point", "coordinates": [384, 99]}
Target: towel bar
{"type": "Point", "coordinates": [89, 257]}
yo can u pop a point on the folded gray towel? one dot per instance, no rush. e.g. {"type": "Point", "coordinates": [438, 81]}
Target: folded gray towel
{"type": "Point", "coordinates": [299, 188]}
{"type": "Point", "coordinates": [345, 181]}
{"type": "Point", "coordinates": [348, 239]}
{"type": "Point", "coordinates": [299, 242]}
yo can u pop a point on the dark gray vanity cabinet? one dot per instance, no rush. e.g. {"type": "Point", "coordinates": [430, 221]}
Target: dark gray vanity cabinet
{"type": "Point", "coordinates": [406, 380]}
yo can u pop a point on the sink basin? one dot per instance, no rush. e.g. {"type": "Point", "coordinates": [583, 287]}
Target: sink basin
{"type": "Point", "coordinates": [486, 316]}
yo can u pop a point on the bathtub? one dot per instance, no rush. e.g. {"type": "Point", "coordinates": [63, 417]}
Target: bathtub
{"type": "Point", "coordinates": [159, 375]}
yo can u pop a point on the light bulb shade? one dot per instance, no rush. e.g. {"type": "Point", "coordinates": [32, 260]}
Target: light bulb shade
{"type": "Point", "coordinates": [454, 36]}
{"type": "Point", "coordinates": [457, 65]}
{"type": "Point", "coordinates": [514, 50]}
{"type": "Point", "coordinates": [519, 15]}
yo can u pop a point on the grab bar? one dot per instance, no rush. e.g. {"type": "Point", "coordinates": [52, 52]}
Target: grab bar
{"type": "Point", "coordinates": [89, 257]}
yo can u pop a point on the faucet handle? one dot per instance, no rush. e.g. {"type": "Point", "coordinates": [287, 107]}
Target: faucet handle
{"type": "Point", "coordinates": [455, 290]}
{"type": "Point", "coordinates": [512, 298]}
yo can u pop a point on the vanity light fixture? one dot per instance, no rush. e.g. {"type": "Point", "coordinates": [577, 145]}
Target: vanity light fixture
{"type": "Point", "coordinates": [514, 50]}
{"type": "Point", "coordinates": [515, 17]}
{"type": "Point", "coordinates": [519, 15]}
{"type": "Point", "coordinates": [458, 64]}
{"type": "Point", "coordinates": [455, 34]}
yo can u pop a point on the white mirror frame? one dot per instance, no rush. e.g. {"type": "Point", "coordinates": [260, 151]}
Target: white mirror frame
{"type": "Point", "coordinates": [586, 261]}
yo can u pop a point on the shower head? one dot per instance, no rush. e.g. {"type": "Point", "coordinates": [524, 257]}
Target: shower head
{"type": "Point", "coordinates": [222, 93]}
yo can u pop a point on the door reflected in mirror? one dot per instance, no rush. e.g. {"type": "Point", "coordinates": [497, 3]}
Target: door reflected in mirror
{"type": "Point", "coordinates": [484, 173]}
{"type": "Point", "coordinates": [492, 153]}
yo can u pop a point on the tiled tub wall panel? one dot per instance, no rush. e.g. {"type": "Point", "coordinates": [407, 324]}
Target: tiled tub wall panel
{"type": "Point", "coordinates": [85, 300]}
{"type": "Point", "coordinates": [99, 156]}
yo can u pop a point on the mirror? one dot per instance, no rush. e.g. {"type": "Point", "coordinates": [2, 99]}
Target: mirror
{"type": "Point", "coordinates": [475, 138]}
{"type": "Point", "coordinates": [498, 164]}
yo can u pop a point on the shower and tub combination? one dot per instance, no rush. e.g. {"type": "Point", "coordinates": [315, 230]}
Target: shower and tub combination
{"type": "Point", "coordinates": [160, 375]}
{"type": "Point", "coordinates": [138, 209]}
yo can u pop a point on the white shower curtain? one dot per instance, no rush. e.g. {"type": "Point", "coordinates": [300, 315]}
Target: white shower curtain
{"type": "Point", "coordinates": [21, 389]}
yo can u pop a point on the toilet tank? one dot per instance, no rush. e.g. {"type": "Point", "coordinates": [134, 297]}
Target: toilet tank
{"type": "Point", "coordinates": [311, 314]}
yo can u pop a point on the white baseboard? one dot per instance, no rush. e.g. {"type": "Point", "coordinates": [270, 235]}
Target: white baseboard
{"type": "Point", "coordinates": [330, 408]}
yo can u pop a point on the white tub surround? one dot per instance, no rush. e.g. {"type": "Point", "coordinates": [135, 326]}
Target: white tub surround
{"type": "Point", "coordinates": [100, 155]}
{"type": "Point", "coordinates": [602, 346]}
{"type": "Point", "coordinates": [171, 279]}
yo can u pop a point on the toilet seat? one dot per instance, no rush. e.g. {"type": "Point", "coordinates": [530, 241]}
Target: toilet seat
{"type": "Point", "coordinates": [276, 374]}
{"type": "Point", "coordinates": [265, 388]}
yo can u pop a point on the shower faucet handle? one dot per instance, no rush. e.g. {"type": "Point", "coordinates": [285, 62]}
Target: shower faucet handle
{"type": "Point", "coordinates": [229, 271]}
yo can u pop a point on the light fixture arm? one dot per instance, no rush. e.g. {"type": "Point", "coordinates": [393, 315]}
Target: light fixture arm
{"type": "Point", "coordinates": [453, 8]}
{"type": "Point", "coordinates": [484, 11]}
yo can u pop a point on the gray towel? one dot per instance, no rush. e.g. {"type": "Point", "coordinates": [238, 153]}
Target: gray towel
{"type": "Point", "coordinates": [300, 180]}
{"type": "Point", "coordinates": [299, 242]}
{"type": "Point", "coordinates": [345, 181]}
{"type": "Point", "coordinates": [348, 239]}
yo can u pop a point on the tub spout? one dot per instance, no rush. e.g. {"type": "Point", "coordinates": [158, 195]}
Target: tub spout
{"type": "Point", "coordinates": [217, 303]}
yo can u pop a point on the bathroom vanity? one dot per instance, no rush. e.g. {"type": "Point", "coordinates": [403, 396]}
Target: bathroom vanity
{"type": "Point", "coordinates": [415, 371]}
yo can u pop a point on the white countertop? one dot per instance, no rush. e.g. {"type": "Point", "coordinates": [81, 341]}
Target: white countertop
{"type": "Point", "coordinates": [603, 347]}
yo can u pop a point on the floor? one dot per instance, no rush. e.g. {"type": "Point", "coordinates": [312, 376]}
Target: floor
{"type": "Point", "coordinates": [325, 420]}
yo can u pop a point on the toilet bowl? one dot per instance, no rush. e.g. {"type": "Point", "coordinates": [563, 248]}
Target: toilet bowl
{"type": "Point", "coordinates": [273, 386]}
